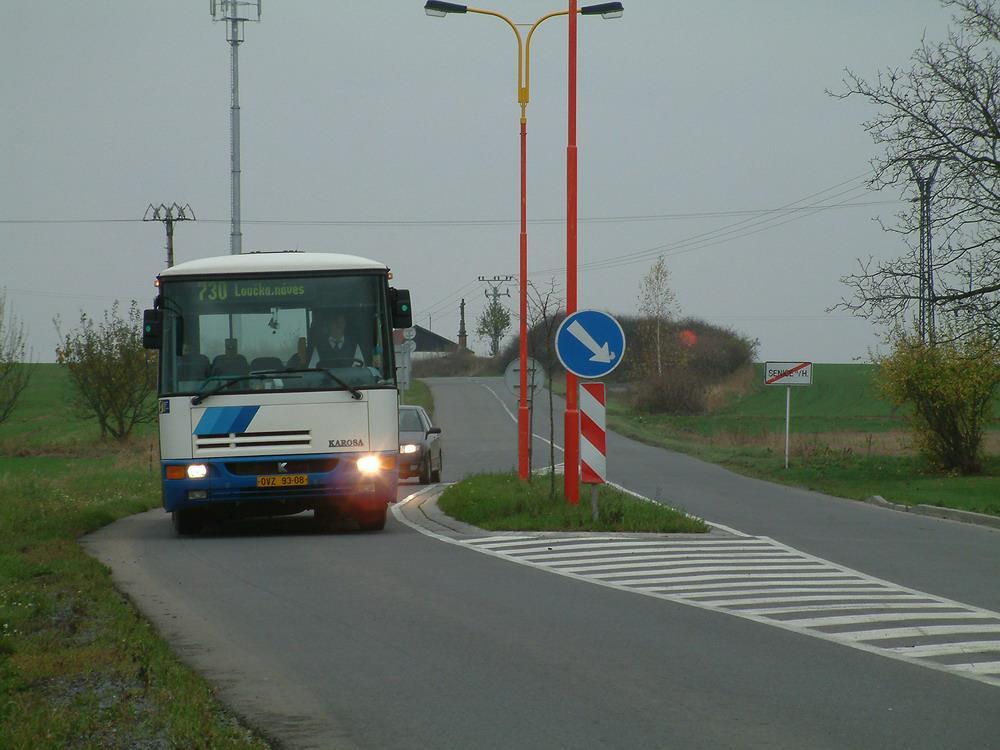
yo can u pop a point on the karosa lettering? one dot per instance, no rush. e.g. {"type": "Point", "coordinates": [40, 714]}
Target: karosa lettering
{"type": "Point", "coordinates": [348, 443]}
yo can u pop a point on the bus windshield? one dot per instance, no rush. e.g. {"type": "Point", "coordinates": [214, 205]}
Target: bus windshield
{"type": "Point", "coordinates": [277, 334]}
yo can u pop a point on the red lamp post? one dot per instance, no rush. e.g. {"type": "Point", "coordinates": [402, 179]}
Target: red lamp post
{"type": "Point", "coordinates": [571, 425]}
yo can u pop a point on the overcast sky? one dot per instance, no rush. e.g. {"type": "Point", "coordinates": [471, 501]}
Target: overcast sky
{"type": "Point", "coordinates": [370, 128]}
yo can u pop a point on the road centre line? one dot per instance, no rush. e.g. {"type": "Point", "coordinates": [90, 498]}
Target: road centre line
{"type": "Point", "coordinates": [514, 419]}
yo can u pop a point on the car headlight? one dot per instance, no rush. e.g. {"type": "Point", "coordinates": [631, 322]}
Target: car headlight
{"type": "Point", "coordinates": [409, 448]}
{"type": "Point", "coordinates": [197, 471]}
{"type": "Point", "coordinates": [369, 465]}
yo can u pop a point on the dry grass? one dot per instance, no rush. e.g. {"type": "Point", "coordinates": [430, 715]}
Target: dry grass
{"type": "Point", "coordinates": [730, 388]}
{"type": "Point", "coordinates": [894, 443]}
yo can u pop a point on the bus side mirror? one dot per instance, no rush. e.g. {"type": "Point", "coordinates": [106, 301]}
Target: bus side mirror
{"type": "Point", "coordinates": [152, 329]}
{"type": "Point", "coordinates": [402, 312]}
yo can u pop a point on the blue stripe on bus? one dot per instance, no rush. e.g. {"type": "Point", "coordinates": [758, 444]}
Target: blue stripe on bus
{"type": "Point", "coordinates": [243, 419]}
{"type": "Point", "coordinates": [222, 420]}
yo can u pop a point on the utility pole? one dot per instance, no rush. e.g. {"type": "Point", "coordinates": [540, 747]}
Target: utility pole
{"type": "Point", "coordinates": [168, 215]}
{"type": "Point", "coordinates": [925, 186]}
{"type": "Point", "coordinates": [494, 293]}
{"type": "Point", "coordinates": [463, 339]}
{"type": "Point", "coordinates": [235, 13]}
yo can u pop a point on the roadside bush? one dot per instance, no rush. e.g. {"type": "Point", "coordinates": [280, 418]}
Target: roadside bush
{"type": "Point", "coordinates": [949, 388]}
{"type": "Point", "coordinates": [715, 352]}
{"type": "Point", "coordinates": [676, 391]}
{"type": "Point", "coordinates": [113, 377]}
{"type": "Point", "coordinates": [14, 370]}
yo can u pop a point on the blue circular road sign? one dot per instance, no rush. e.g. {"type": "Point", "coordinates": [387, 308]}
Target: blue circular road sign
{"type": "Point", "coordinates": [590, 343]}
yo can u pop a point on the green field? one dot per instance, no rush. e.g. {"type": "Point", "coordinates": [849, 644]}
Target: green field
{"type": "Point", "coordinates": [845, 440]}
{"type": "Point", "coordinates": [46, 421]}
{"type": "Point", "coordinates": [79, 667]}
{"type": "Point", "coordinates": [842, 398]}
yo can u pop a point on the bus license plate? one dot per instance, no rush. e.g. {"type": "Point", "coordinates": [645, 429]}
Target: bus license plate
{"type": "Point", "coordinates": [283, 480]}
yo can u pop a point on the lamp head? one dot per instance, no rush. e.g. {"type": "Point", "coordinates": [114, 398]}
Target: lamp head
{"type": "Point", "coordinates": [440, 9]}
{"type": "Point", "coordinates": [605, 10]}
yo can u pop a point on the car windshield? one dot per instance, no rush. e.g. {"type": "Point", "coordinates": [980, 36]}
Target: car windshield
{"type": "Point", "coordinates": [299, 333]}
{"type": "Point", "coordinates": [409, 421]}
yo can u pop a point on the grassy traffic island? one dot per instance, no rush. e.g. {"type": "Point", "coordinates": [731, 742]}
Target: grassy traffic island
{"type": "Point", "coordinates": [501, 502]}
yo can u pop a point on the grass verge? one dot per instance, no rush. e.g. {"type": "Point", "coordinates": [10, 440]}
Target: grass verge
{"type": "Point", "coordinates": [79, 667]}
{"type": "Point", "coordinates": [501, 502]}
{"type": "Point", "coordinates": [419, 394]}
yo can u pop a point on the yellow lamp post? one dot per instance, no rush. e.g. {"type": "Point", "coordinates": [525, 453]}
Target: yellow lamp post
{"type": "Point", "coordinates": [605, 10]}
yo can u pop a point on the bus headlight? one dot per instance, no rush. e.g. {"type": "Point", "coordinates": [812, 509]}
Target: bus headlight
{"type": "Point", "coordinates": [197, 471]}
{"type": "Point", "coordinates": [409, 448]}
{"type": "Point", "coordinates": [369, 465]}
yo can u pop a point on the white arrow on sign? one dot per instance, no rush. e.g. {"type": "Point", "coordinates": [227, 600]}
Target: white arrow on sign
{"type": "Point", "coordinates": [601, 353]}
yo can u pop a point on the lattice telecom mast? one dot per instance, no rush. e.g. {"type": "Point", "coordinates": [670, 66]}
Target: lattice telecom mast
{"type": "Point", "coordinates": [235, 13]}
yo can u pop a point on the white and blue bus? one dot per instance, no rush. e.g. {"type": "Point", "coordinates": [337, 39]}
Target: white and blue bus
{"type": "Point", "coordinates": [277, 387]}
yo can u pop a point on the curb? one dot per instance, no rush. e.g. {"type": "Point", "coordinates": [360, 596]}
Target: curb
{"type": "Point", "coordinates": [934, 511]}
{"type": "Point", "coordinates": [421, 508]}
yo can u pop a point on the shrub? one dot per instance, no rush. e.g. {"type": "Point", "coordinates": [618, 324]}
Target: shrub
{"type": "Point", "coordinates": [113, 378]}
{"type": "Point", "coordinates": [949, 388]}
{"type": "Point", "coordinates": [676, 391]}
{"type": "Point", "coordinates": [14, 372]}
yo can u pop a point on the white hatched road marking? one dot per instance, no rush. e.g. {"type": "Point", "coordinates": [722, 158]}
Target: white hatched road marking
{"type": "Point", "coordinates": [968, 647]}
{"type": "Point", "coordinates": [759, 579]}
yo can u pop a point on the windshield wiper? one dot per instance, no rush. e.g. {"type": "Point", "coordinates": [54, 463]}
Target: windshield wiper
{"type": "Point", "coordinates": [195, 400]}
{"type": "Point", "coordinates": [355, 393]}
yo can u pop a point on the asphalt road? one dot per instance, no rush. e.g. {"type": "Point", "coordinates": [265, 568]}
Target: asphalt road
{"type": "Point", "coordinates": [400, 640]}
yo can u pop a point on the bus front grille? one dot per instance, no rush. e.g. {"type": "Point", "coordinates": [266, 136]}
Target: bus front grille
{"type": "Point", "coordinates": [240, 440]}
{"type": "Point", "coordinates": [304, 466]}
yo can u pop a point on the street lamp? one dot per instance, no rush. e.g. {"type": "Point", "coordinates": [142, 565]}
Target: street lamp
{"type": "Point", "coordinates": [439, 9]}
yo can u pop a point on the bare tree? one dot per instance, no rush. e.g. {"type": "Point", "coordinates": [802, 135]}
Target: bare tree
{"type": "Point", "coordinates": [546, 311]}
{"type": "Point", "coordinates": [14, 371]}
{"type": "Point", "coordinates": [493, 324]}
{"type": "Point", "coordinates": [112, 374]}
{"type": "Point", "coordinates": [941, 112]}
{"type": "Point", "coordinates": [658, 303]}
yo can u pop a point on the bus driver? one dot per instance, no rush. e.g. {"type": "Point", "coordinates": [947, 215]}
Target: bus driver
{"type": "Point", "coordinates": [333, 347]}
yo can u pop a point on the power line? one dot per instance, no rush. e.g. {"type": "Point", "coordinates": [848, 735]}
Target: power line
{"type": "Point", "coordinates": [700, 241]}
{"type": "Point", "coordinates": [624, 219]}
